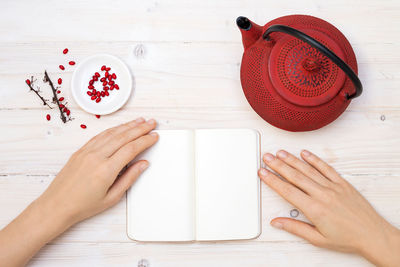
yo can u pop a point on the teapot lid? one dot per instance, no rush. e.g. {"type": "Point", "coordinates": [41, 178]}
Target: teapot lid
{"type": "Point", "coordinates": [300, 73]}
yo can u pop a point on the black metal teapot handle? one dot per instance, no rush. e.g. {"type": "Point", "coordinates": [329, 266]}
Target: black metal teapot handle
{"type": "Point", "coordinates": [323, 49]}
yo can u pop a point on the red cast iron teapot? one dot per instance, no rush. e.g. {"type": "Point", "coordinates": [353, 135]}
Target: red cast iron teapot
{"type": "Point", "coordinates": [298, 72]}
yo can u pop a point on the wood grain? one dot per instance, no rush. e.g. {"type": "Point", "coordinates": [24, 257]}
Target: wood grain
{"type": "Point", "coordinates": [185, 59]}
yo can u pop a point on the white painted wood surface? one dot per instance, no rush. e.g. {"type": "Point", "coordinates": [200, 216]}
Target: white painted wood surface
{"type": "Point", "coordinates": [185, 58]}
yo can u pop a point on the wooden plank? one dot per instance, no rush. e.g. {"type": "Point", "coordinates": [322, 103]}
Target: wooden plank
{"type": "Point", "coordinates": [236, 254]}
{"type": "Point", "coordinates": [181, 20]}
{"type": "Point", "coordinates": [345, 143]}
{"type": "Point", "coordinates": [17, 191]}
{"type": "Point", "coordinates": [178, 74]}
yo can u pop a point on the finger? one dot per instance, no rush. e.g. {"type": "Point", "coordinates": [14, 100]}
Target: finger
{"type": "Point", "coordinates": [129, 151]}
{"type": "Point", "coordinates": [105, 136]}
{"type": "Point", "coordinates": [286, 190]}
{"type": "Point", "coordinates": [125, 181]}
{"type": "Point", "coordinates": [130, 134]}
{"type": "Point", "coordinates": [321, 166]}
{"type": "Point", "coordinates": [302, 167]}
{"type": "Point", "coordinates": [292, 175]}
{"type": "Point", "coordinates": [301, 229]}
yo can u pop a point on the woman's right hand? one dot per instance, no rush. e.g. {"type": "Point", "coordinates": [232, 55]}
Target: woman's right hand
{"type": "Point", "coordinates": [342, 219]}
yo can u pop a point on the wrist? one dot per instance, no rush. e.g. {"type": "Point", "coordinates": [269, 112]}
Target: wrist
{"type": "Point", "coordinates": [383, 249]}
{"type": "Point", "coordinates": [37, 225]}
{"type": "Point", "coordinates": [52, 216]}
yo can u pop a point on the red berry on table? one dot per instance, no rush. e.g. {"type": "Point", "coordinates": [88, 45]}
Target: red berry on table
{"type": "Point", "coordinates": [68, 112]}
{"type": "Point", "coordinates": [98, 100]}
{"type": "Point", "coordinates": [98, 93]}
{"type": "Point", "coordinates": [103, 67]}
{"type": "Point", "coordinates": [58, 91]}
{"type": "Point", "coordinates": [28, 82]}
{"type": "Point", "coordinates": [105, 88]}
{"type": "Point", "coordinates": [98, 116]}
{"type": "Point", "coordinates": [104, 83]}
{"type": "Point", "coordinates": [110, 82]}
{"type": "Point", "coordinates": [116, 86]}
{"type": "Point", "coordinates": [93, 97]}
{"type": "Point", "coordinates": [91, 87]}
{"type": "Point", "coordinates": [103, 94]}
{"type": "Point", "coordinates": [61, 99]}
{"type": "Point", "coordinates": [97, 74]}
{"type": "Point", "coordinates": [89, 93]}
{"type": "Point", "coordinates": [107, 93]}
{"type": "Point", "coordinates": [61, 106]}
{"type": "Point", "coordinates": [83, 126]}
{"type": "Point", "coordinates": [48, 117]}
{"type": "Point", "coordinates": [108, 69]}
{"type": "Point", "coordinates": [114, 76]}
{"type": "Point", "coordinates": [65, 51]}
{"type": "Point", "coordinates": [72, 63]}
{"type": "Point", "coordinates": [61, 67]}
{"type": "Point", "coordinates": [59, 81]}
{"type": "Point", "coordinates": [112, 87]}
{"type": "Point", "coordinates": [91, 82]}
{"type": "Point", "coordinates": [102, 79]}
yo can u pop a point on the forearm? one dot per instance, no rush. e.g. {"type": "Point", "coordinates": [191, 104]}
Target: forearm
{"type": "Point", "coordinates": [384, 250]}
{"type": "Point", "coordinates": [38, 224]}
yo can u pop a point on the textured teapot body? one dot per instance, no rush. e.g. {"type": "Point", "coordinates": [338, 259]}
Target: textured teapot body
{"type": "Point", "coordinates": [290, 84]}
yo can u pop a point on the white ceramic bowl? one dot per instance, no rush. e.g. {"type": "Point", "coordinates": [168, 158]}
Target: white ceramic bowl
{"type": "Point", "coordinates": [83, 74]}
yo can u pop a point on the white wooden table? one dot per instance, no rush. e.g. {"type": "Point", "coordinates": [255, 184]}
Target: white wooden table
{"type": "Point", "coordinates": [185, 58]}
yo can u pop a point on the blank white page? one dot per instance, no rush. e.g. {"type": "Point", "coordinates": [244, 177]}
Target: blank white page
{"type": "Point", "coordinates": [227, 184]}
{"type": "Point", "coordinates": [160, 205]}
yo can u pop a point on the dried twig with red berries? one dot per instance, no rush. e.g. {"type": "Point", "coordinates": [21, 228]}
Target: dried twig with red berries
{"type": "Point", "coordinates": [37, 91]}
{"type": "Point", "coordinates": [61, 107]}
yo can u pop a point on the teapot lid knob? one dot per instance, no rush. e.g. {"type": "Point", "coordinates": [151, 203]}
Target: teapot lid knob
{"type": "Point", "coordinates": [243, 23]}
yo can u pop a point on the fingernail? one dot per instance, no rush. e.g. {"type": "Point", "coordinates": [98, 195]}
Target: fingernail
{"type": "Point", "coordinates": [277, 224]}
{"type": "Point", "coordinates": [305, 153]}
{"type": "Point", "coordinates": [140, 120]}
{"type": "Point", "coordinates": [263, 172]}
{"type": "Point", "coordinates": [154, 134]}
{"type": "Point", "coordinates": [282, 154]}
{"type": "Point", "coordinates": [268, 157]}
{"type": "Point", "coordinates": [151, 121]}
{"type": "Point", "coordinates": [143, 166]}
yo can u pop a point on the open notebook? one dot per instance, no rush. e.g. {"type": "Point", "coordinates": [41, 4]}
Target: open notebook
{"type": "Point", "coordinates": [200, 185]}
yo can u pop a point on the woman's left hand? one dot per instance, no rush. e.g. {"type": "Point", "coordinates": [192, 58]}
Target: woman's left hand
{"type": "Point", "coordinates": [88, 184]}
